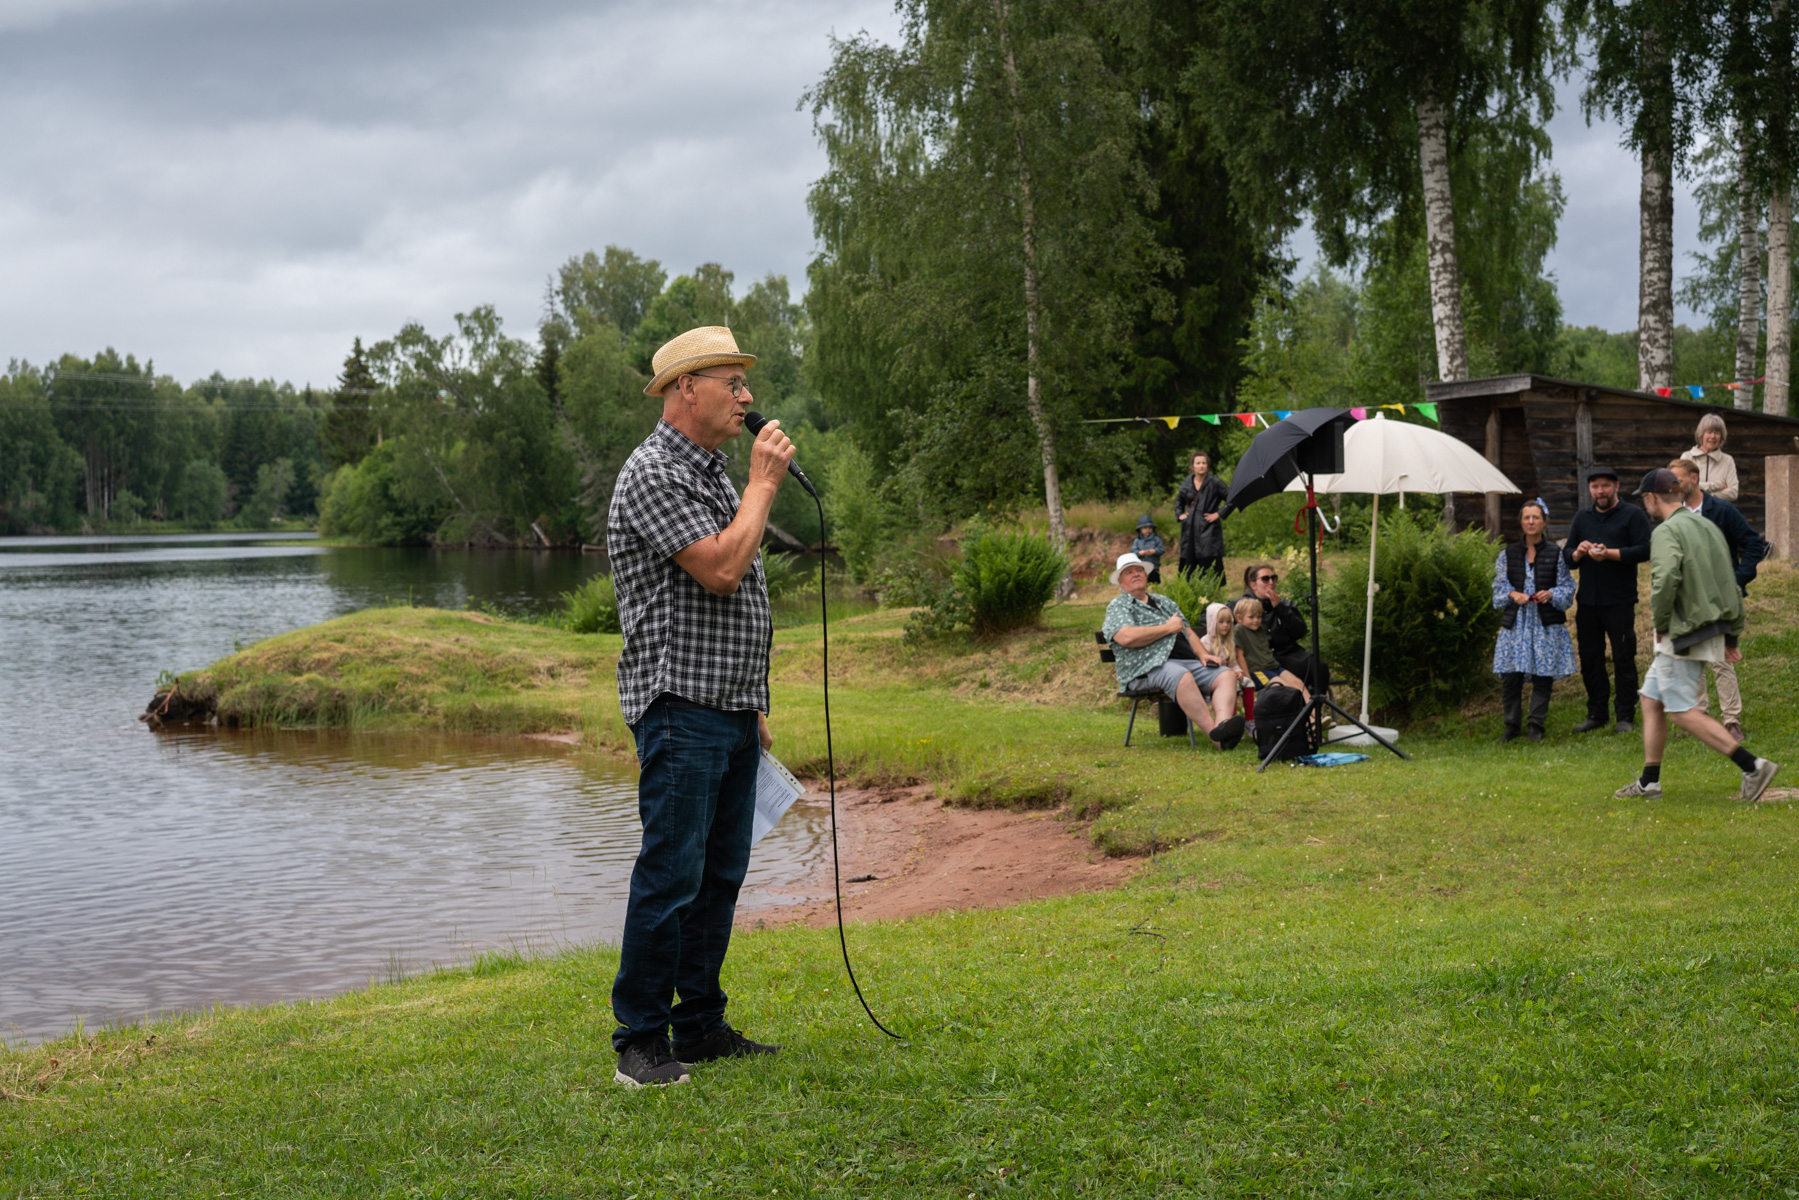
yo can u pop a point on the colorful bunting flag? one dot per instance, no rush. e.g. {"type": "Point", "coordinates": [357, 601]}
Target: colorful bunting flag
{"type": "Point", "coordinates": [1282, 413]}
{"type": "Point", "coordinates": [1209, 418]}
{"type": "Point", "coordinates": [1360, 414]}
{"type": "Point", "coordinates": [1248, 419]}
{"type": "Point", "coordinates": [1429, 411]}
{"type": "Point", "coordinates": [1171, 422]}
{"type": "Point", "coordinates": [1695, 391]}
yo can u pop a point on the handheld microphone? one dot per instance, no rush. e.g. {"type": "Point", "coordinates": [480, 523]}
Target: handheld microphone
{"type": "Point", "coordinates": [754, 421]}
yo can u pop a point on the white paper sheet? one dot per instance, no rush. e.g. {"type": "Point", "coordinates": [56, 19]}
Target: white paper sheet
{"type": "Point", "coordinates": [776, 790]}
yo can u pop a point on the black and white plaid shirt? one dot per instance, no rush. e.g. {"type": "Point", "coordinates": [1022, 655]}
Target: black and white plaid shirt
{"type": "Point", "coordinates": [680, 638]}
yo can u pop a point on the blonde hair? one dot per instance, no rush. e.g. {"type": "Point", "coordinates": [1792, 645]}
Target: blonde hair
{"type": "Point", "coordinates": [1684, 468]}
{"type": "Point", "coordinates": [1707, 423]}
{"type": "Point", "coordinates": [1249, 604]}
{"type": "Point", "coordinates": [1226, 646]}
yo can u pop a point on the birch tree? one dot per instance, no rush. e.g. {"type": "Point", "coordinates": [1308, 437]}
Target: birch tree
{"type": "Point", "coordinates": [1351, 111]}
{"type": "Point", "coordinates": [1650, 68]}
{"type": "Point", "coordinates": [984, 243]}
{"type": "Point", "coordinates": [1781, 164]}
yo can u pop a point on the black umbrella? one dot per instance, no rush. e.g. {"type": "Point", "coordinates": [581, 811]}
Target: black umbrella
{"type": "Point", "coordinates": [1273, 459]}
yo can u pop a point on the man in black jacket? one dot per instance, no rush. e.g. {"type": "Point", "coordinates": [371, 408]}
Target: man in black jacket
{"type": "Point", "coordinates": [1604, 544]}
{"type": "Point", "coordinates": [1747, 549]}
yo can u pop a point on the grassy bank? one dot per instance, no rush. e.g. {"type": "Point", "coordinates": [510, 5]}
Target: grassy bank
{"type": "Point", "coordinates": [1475, 975]}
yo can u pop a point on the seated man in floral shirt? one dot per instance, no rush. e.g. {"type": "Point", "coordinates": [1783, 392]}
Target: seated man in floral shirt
{"type": "Point", "coordinates": [1157, 651]}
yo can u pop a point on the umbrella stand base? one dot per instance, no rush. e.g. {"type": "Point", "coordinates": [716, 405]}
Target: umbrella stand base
{"type": "Point", "coordinates": [1316, 705]}
{"type": "Point", "coordinates": [1352, 736]}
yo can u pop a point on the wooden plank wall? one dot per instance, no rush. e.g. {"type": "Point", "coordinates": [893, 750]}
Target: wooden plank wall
{"type": "Point", "coordinates": [1630, 435]}
{"type": "Point", "coordinates": [1467, 420]}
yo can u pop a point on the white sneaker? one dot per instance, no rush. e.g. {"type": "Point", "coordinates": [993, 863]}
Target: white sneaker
{"type": "Point", "coordinates": [1648, 791]}
{"type": "Point", "coordinates": [1756, 782]}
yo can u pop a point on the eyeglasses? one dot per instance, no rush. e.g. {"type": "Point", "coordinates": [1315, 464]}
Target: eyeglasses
{"type": "Point", "coordinates": [737, 383]}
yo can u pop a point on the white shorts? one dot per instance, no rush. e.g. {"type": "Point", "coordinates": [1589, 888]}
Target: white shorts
{"type": "Point", "coordinates": [1677, 684]}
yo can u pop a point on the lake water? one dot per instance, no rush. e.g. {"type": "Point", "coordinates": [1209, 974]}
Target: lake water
{"type": "Point", "coordinates": [147, 873]}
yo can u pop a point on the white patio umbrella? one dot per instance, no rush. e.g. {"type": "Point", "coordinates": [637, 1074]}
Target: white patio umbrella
{"type": "Point", "coordinates": [1382, 456]}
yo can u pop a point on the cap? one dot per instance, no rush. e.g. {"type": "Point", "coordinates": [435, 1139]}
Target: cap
{"type": "Point", "coordinates": [1597, 472]}
{"type": "Point", "coordinates": [1144, 520]}
{"type": "Point", "coordinates": [1659, 482]}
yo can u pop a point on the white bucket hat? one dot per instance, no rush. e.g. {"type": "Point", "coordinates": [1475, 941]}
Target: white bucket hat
{"type": "Point", "coordinates": [1127, 559]}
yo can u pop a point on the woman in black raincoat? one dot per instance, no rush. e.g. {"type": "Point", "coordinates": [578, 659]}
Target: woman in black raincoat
{"type": "Point", "coordinates": [1202, 529]}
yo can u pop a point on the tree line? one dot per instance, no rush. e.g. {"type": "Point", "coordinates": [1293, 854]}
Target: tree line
{"type": "Point", "coordinates": [106, 443]}
{"type": "Point", "coordinates": [1037, 214]}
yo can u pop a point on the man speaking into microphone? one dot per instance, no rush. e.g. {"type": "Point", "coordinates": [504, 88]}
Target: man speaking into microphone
{"type": "Point", "coordinates": [693, 686]}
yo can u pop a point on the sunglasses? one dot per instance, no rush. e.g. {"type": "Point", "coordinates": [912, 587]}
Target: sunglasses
{"type": "Point", "coordinates": [1268, 578]}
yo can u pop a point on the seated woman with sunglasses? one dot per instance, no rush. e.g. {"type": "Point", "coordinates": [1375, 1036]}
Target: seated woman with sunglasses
{"type": "Point", "coordinates": [1284, 627]}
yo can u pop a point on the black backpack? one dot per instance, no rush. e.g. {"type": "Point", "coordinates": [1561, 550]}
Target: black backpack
{"type": "Point", "coordinates": [1277, 708]}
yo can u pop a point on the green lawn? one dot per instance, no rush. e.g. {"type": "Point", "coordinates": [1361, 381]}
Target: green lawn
{"type": "Point", "coordinates": [1477, 974]}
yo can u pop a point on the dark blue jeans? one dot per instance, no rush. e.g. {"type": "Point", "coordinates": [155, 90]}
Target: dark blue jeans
{"type": "Point", "coordinates": [697, 799]}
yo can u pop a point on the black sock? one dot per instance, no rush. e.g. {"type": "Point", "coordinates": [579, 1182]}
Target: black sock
{"type": "Point", "coordinates": [1652, 773]}
{"type": "Point", "coordinates": [1744, 760]}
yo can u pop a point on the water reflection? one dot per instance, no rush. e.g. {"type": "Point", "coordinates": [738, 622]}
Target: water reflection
{"type": "Point", "coordinates": [143, 873]}
{"type": "Point", "coordinates": [300, 864]}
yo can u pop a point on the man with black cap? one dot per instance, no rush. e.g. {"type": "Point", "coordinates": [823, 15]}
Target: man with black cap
{"type": "Point", "coordinates": [1697, 612]}
{"type": "Point", "coordinates": [1605, 543]}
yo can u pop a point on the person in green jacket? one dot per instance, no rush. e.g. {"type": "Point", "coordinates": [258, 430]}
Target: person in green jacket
{"type": "Point", "coordinates": [1697, 612]}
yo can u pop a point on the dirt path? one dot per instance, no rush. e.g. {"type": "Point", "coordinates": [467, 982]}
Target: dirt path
{"type": "Point", "coordinates": [924, 857]}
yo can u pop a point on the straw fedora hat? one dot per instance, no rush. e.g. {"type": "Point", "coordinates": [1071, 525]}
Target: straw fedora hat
{"type": "Point", "coordinates": [695, 350]}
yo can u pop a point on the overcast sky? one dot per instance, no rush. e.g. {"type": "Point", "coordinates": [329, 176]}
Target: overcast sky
{"type": "Point", "coordinates": [246, 185]}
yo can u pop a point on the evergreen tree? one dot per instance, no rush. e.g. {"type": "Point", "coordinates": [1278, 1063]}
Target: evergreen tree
{"type": "Point", "coordinates": [350, 430]}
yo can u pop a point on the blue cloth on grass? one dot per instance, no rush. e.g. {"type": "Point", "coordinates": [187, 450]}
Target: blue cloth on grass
{"type": "Point", "coordinates": [1332, 758]}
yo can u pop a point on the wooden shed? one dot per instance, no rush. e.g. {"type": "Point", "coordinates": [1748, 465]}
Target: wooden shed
{"type": "Point", "coordinates": [1544, 433]}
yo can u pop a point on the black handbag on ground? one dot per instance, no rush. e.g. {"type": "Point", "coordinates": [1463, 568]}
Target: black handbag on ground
{"type": "Point", "coordinates": [1277, 708]}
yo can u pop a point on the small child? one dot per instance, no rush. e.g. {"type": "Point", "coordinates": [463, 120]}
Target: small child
{"type": "Point", "coordinates": [1148, 547]}
{"type": "Point", "coordinates": [1221, 635]}
{"type": "Point", "coordinates": [1254, 658]}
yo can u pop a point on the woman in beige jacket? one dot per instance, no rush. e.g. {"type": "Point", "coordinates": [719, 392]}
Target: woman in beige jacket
{"type": "Point", "coordinates": [1717, 470]}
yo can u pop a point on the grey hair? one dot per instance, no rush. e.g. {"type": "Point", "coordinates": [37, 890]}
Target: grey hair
{"type": "Point", "coordinates": [1707, 423]}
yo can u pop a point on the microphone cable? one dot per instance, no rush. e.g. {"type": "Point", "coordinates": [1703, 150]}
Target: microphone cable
{"type": "Point", "coordinates": [831, 768]}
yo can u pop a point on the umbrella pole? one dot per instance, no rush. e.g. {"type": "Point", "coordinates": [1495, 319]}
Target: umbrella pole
{"type": "Point", "coordinates": [1368, 631]}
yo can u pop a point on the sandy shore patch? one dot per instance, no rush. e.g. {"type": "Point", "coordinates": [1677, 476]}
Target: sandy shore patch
{"type": "Point", "coordinates": [904, 853]}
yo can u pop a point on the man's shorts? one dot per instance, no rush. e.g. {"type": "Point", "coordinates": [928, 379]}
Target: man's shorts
{"type": "Point", "coordinates": [1677, 684]}
{"type": "Point", "coordinates": [1167, 677]}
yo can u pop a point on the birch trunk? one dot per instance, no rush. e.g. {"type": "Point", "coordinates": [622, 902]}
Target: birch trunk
{"type": "Point", "coordinates": [1439, 237]}
{"type": "Point", "coordinates": [1655, 247]}
{"type": "Point", "coordinates": [1655, 275]}
{"type": "Point", "coordinates": [1033, 394]}
{"type": "Point", "coordinates": [1780, 300]}
{"type": "Point", "coordinates": [1750, 260]}
{"type": "Point", "coordinates": [1439, 242]}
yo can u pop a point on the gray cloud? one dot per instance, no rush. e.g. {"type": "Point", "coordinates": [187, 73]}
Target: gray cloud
{"type": "Point", "coordinates": [245, 186]}
{"type": "Point", "coordinates": [248, 187]}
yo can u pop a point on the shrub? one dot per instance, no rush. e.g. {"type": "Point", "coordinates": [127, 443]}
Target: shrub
{"type": "Point", "coordinates": [908, 584]}
{"type": "Point", "coordinates": [592, 607]}
{"type": "Point", "coordinates": [1186, 592]}
{"type": "Point", "coordinates": [1007, 578]}
{"type": "Point", "coordinates": [1434, 621]}
{"type": "Point", "coordinates": [787, 572]}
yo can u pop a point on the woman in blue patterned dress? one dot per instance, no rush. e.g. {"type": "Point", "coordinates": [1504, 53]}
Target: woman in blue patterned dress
{"type": "Point", "coordinates": [1533, 589]}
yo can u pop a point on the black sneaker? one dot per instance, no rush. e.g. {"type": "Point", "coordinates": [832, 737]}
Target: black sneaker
{"type": "Point", "coordinates": [1590, 724]}
{"type": "Point", "coordinates": [648, 1062]}
{"type": "Point", "coordinates": [1227, 733]}
{"type": "Point", "coordinates": [723, 1042]}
